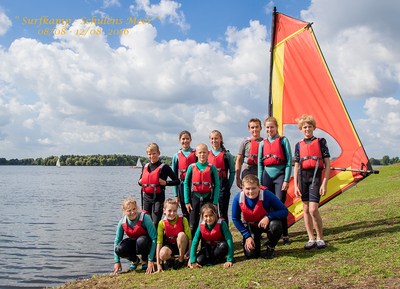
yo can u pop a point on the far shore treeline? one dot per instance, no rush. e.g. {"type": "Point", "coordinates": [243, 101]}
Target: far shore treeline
{"type": "Point", "coordinates": [92, 160]}
{"type": "Point", "coordinates": [126, 160]}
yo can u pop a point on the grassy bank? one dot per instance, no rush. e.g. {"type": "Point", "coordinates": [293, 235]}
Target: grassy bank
{"type": "Point", "coordinates": [362, 230]}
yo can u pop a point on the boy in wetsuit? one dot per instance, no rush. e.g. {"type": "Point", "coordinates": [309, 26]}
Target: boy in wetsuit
{"type": "Point", "coordinates": [153, 181]}
{"type": "Point", "coordinates": [247, 158]}
{"type": "Point", "coordinates": [311, 156]}
{"type": "Point", "coordinates": [201, 186]}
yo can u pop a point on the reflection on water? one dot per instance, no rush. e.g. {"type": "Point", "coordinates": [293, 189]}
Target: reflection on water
{"type": "Point", "coordinates": [58, 225]}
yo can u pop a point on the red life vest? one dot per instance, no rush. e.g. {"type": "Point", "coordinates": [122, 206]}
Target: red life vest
{"type": "Point", "coordinates": [310, 155]}
{"type": "Point", "coordinates": [253, 154]}
{"type": "Point", "coordinates": [201, 180]}
{"type": "Point", "coordinates": [171, 232]}
{"type": "Point", "coordinates": [219, 162]}
{"type": "Point", "coordinates": [273, 153]}
{"type": "Point", "coordinates": [136, 231]}
{"type": "Point", "coordinates": [252, 217]}
{"type": "Point", "coordinates": [184, 162]}
{"type": "Point", "coordinates": [150, 181]}
{"type": "Point", "coordinates": [214, 236]}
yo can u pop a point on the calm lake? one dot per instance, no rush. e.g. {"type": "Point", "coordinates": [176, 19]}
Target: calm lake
{"type": "Point", "coordinates": [58, 225]}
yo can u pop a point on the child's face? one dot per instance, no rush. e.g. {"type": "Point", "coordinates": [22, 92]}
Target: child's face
{"type": "Point", "coordinates": [185, 141]}
{"type": "Point", "coordinates": [209, 217]}
{"type": "Point", "coordinates": [308, 130]}
{"type": "Point", "coordinates": [131, 211]}
{"type": "Point", "coordinates": [255, 129]}
{"type": "Point", "coordinates": [251, 190]}
{"type": "Point", "coordinates": [215, 139]}
{"type": "Point", "coordinates": [271, 128]}
{"type": "Point", "coordinates": [202, 154]}
{"type": "Point", "coordinates": [153, 156]}
{"type": "Point", "coordinates": [171, 211]}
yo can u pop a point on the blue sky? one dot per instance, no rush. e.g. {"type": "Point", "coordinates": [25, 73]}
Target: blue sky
{"type": "Point", "coordinates": [201, 65]}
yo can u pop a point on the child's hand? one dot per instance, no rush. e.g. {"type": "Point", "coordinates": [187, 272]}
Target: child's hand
{"type": "Point", "coordinates": [178, 200]}
{"type": "Point", "coordinates": [285, 186]}
{"type": "Point", "coordinates": [189, 264]}
{"type": "Point", "coordinates": [159, 269]}
{"type": "Point", "coordinates": [150, 267]}
{"type": "Point", "coordinates": [297, 192]}
{"type": "Point", "coordinates": [117, 267]}
{"type": "Point", "coordinates": [162, 182]}
{"type": "Point", "coordinates": [322, 190]}
{"type": "Point", "coordinates": [195, 265]}
{"type": "Point", "coordinates": [249, 244]}
{"type": "Point", "coordinates": [140, 181]}
{"type": "Point", "coordinates": [228, 264]}
{"type": "Point", "coordinates": [263, 223]}
{"type": "Point", "coordinates": [189, 208]}
{"type": "Point", "coordinates": [216, 207]}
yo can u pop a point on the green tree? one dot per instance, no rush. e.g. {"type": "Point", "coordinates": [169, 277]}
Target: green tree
{"type": "Point", "coordinates": [385, 160]}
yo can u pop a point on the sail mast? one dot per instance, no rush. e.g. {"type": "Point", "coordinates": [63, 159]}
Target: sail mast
{"type": "Point", "coordinates": [270, 108]}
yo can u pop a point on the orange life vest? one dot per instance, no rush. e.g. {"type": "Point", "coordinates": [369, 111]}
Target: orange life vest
{"type": "Point", "coordinates": [184, 162]}
{"type": "Point", "coordinates": [201, 180]}
{"type": "Point", "coordinates": [273, 153]}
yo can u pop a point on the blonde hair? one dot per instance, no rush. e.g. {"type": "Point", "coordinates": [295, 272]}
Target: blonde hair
{"type": "Point", "coordinates": [271, 119]}
{"type": "Point", "coordinates": [254, 120]}
{"type": "Point", "coordinates": [251, 180]}
{"type": "Point", "coordinates": [201, 145]}
{"type": "Point", "coordinates": [127, 202]}
{"type": "Point", "coordinates": [152, 147]}
{"type": "Point", "coordinates": [206, 207]}
{"type": "Point", "coordinates": [306, 118]}
{"type": "Point", "coordinates": [170, 201]}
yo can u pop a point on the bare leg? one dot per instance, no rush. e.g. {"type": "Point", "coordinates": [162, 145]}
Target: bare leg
{"type": "Point", "coordinates": [308, 220]}
{"type": "Point", "coordinates": [316, 219]}
{"type": "Point", "coordinates": [182, 242]}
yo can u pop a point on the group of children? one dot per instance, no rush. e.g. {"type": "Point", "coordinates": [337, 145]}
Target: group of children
{"type": "Point", "coordinates": [202, 180]}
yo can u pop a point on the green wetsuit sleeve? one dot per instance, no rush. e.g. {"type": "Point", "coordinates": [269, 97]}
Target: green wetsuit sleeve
{"type": "Point", "coordinates": [232, 171]}
{"type": "Point", "coordinates": [160, 232]}
{"type": "Point", "coordinates": [187, 185]}
{"type": "Point", "coordinates": [195, 244]}
{"type": "Point", "coordinates": [215, 177]}
{"type": "Point", "coordinates": [118, 238]}
{"type": "Point", "coordinates": [175, 170]}
{"type": "Point", "coordinates": [148, 224]}
{"type": "Point", "coordinates": [228, 237]}
{"type": "Point", "coordinates": [186, 228]}
{"type": "Point", "coordinates": [288, 154]}
{"type": "Point", "coordinates": [260, 165]}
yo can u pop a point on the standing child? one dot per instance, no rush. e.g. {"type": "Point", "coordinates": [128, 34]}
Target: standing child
{"type": "Point", "coordinates": [142, 238]}
{"type": "Point", "coordinates": [262, 212]}
{"type": "Point", "coordinates": [275, 166]}
{"type": "Point", "coordinates": [216, 240]}
{"type": "Point", "coordinates": [153, 181]}
{"type": "Point", "coordinates": [177, 237]}
{"type": "Point", "coordinates": [223, 161]}
{"type": "Point", "coordinates": [247, 158]}
{"type": "Point", "coordinates": [201, 186]}
{"type": "Point", "coordinates": [180, 163]}
{"type": "Point", "coordinates": [310, 155]}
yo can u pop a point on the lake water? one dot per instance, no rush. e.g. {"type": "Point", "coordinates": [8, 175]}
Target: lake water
{"type": "Point", "coordinates": [58, 225]}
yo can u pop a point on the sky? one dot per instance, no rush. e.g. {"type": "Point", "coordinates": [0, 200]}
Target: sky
{"type": "Point", "coordinates": [93, 87]}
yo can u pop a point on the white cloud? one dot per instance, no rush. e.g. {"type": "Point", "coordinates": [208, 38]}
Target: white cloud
{"type": "Point", "coordinates": [108, 3]}
{"type": "Point", "coordinates": [5, 22]}
{"type": "Point", "coordinates": [166, 9]}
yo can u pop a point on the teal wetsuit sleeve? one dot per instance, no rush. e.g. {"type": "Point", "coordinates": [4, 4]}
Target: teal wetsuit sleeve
{"type": "Point", "coordinates": [228, 237]}
{"type": "Point", "coordinates": [195, 244]}
{"type": "Point", "coordinates": [232, 171]}
{"type": "Point", "coordinates": [118, 238]}
{"type": "Point", "coordinates": [288, 154]}
{"type": "Point", "coordinates": [260, 165]}
{"type": "Point", "coordinates": [187, 185]}
{"type": "Point", "coordinates": [215, 177]}
{"type": "Point", "coordinates": [175, 170]}
{"type": "Point", "coordinates": [148, 224]}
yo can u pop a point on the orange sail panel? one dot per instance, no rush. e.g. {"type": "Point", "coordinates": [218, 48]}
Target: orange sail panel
{"type": "Point", "coordinates": [302, 84]}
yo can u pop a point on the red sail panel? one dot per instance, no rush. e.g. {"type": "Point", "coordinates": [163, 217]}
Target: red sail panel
{"type": "Point", "coordinates": [302, 84]}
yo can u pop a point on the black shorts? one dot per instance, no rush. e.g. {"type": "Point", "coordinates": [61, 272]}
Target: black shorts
{"type": "Point", "coordinates": [173, 247]}
{"type": "Point", "coordinates": [309, 188]}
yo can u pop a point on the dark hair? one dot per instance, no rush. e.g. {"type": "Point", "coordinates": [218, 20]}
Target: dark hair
{"type": "Point", "coordinates": [185, 132]}
{"type": "Point", "coordinates": [206, 207]}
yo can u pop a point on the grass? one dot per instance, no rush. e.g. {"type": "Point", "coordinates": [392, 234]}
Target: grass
{"type": "Point", "coordinates": [361, 228]}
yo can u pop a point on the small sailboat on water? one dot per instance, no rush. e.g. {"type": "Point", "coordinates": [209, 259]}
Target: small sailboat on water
{"type": "Point", "coordinates": [138, 165]}
{"type": "Point", "coordinates": [58, 165]}
{"type": "Point", "coordinates": [301, 83]}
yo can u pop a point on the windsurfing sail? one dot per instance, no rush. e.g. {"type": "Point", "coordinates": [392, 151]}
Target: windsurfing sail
{"type": "Point", "coordinates": [58, 165]}
{"type": "Point", "coordinates": [301, 83]}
